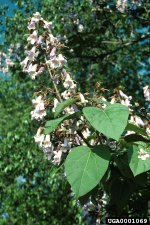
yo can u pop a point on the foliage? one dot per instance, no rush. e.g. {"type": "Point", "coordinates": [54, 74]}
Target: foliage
{"type": "Point", "coordinates": [110, 48]}
{"type": "Point", "coordinates": [29, 193]}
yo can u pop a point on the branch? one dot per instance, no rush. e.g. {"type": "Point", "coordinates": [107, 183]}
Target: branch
{"type": "Point", "coordinates": [57, 92]}
{"type": "Point", "coordinates": [103, 55]}
{"type": "Point", "coordinates": [141, 63]}
{"type": "Point", "coordinates": [81, 135]}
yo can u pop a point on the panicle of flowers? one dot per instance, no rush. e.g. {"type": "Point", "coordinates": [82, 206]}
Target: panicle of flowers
{"type": "Point", "coordinates": [121, 5]}
{"type": "Point", "coordinates": [5, 62]}
{"type": "Point", "coordinates": [54, 62]}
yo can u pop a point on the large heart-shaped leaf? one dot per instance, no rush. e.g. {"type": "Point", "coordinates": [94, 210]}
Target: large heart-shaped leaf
{"type": "Point", "coordinates": [61, 106]}
{"type": "Point", "coordinates": [85, 167]}
{"type": "Point", "coordinates": [136, 129]}
{"type": "Point", "coordinates": [136, 164]}
{"type": "Point", "coordinates": [111, 121]}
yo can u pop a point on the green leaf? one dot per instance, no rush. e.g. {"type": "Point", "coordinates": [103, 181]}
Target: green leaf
{"type": "Point", "coordinates": [52, 124]}
{"type": "Point", "coordinates": [121, 192]}
{"type": "Point", "coordinates": [123, 165]}
{"type": "Point", "coordinates": [111, 121]}
{"type": "Point", "coordinates": [85, 167]}
{"type": "Point", "coordinates": [61, 106]}
{"type": "Point", "coordinates": [136, 164]}
{"type": "Point", "coordinates": [83, 199]}
{"type": "Point", "coordinates": [99, 101]}
{"type": "Point", "coordinates": [136, 129]}
{"type": "Point", "coordinates": [135, 138]}
{"type": "Point", "coordinates": [141, 179]}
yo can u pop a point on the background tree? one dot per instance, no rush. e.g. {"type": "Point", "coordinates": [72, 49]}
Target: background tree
{"type": "Point", "coordinates": [104, 41]}
{"type": "Point", "coordinates": [29, 193]}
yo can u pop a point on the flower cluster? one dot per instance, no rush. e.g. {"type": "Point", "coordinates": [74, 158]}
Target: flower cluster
{"type": "Point", "coordinates": [121, 5]}
{"type": "Point", "coordinates": [39, 111]}
{"type": "Point", "coordinates": [7, 61]}
{"type": "Point", "coordinates": [53, 61]}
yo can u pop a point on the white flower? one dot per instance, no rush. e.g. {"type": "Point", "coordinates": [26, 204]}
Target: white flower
{"type": "Point", "coordinates": [55, 104]}
{"type": "Point", "coordinates": [61, 60]}
{"type": "Point", "coordinates": [57, 157]}
{"type": "Point", "coordinates": [148, 131]}
{"type": "Point", "coordinates": [131, 120]}
{"type": "Point", "coordinates": [57, 62]}
{"type": "Point", "coordinates": [48, 25]}
{"type": "Point", "coordinates": [47, 143]}
{"type": "Point", "coordinates": [146, 93]}
{"type": "Point", "coordinates": [4, 55]}
{"type": "Point", "coordinates": [139, 122]}
{"type": "Point", "coordinates": [5, 70]}
{"type": "Point", "coordinates": [39, 137]}
{"type": "Point", "coordinates": [52, 39]}
{"type": "Point", "coordinates": [145, 88]}
{"type": "Point", "coordinates": [66, 94]}
{"type": "Point", "coordinates": [126, 103]}
{"type": "Point", "coordinates": [36, 17]}
{"type": "Point", "coordinates": [125, 96]}
{"type": "Point", "coordinates": [24, 62]}
{"type": "Point", "coordinates": [36, 101]}
{"type": "Point", "coordinates": [9, 62]}
{"type": "Point", "coordinates": [39, 111]}
{"type": "Point", "coordinates": [86, 133]}
{"type": "Point", "coordinates": [38, 115]}
{"type": "Point", "coordinates": [112, 101]}
{"type": "Point", "coordinates": [40, 107]}
{"type": "Point", "coordinates": [69, 110]}
{"type": "Point", "coordinates": [80, 28]}
{"type": "Point", "coordinates": [31, 25]}
{"type": "Point", "coordinates": [32, 54]}
{"type": "Point", "coordinates": [130, 132]}
{"type": "Point", "coordinates": [68, 81]}
{"type": "Point", "coordinates": [104, 105]}
{"type": "Point", "coordinates": [54, 63]}
{"type": "Point", "coordinates": [32, 38]}
{"type": "Point", "coordinates": [83, 99]}
{"type": "Point", "coordinates": [32, 71]}
{"type": "Point", "coordinates": [142, 154]}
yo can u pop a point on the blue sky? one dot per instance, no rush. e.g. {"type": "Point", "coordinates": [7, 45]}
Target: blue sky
{"type": "Point", "coordinates": [12, 6]}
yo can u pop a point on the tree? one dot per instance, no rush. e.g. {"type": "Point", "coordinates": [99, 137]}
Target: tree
{"type": "Point", "coordinates": [93, 53]}
{"type": "Point", "coordinates": [108, 47]}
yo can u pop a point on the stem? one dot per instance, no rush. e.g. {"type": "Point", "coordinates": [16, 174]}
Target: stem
{"type": "Point", "coordinates": [57, 92]}
{"type": "Point", "coordinates": [81, 135]}
{"type": "Point", "coordinates": [98, 137]}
